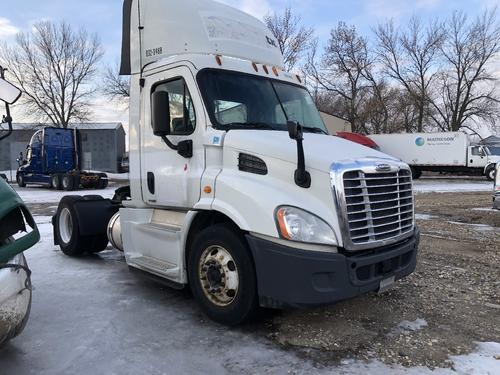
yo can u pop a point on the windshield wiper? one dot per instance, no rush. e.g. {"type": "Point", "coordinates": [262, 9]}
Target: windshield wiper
{"type": "Point", "coordinates": [250, 125]}
{"type": "Point", "coordinates": [314, 129]}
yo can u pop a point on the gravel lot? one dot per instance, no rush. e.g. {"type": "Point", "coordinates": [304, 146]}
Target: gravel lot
{"type": "Point", "coordinates": [448, 304]}
{"type": "Point", "coordinates": [91, 314]}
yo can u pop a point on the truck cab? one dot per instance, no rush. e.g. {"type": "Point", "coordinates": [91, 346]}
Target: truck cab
{"type": "Point", "coordinates": [53, 159]}
{"type": "Point", "coordinates": [236, 188]}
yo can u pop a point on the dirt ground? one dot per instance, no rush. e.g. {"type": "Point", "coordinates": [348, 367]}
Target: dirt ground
{"type": "Point", "coordinates": [448, 304]}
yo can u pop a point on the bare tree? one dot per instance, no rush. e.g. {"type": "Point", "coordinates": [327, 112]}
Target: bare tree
{"type": "Point", "coordinates": [409, 57]}
{"type": "Point", "coordinates": [343, 71]}
{"type": "Point", "coordinates": [115, 86]}
{"type": "Point", "coordinates": [466, 89]}
{"type": "Point", "coordinates": [54, 65]}
{"type": "Point", "coordinates": [293, 38]}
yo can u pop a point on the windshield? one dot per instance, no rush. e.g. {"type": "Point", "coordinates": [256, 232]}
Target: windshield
{"type": "Point", "coordinates": [243, 101]}
{"type": "Point", "coordinates": [493, 150]}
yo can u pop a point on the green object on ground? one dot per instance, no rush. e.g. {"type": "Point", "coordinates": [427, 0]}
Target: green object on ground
{"type": "Point", "coordinates": [9, 203]}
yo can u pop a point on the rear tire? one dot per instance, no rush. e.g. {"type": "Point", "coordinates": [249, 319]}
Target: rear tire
{"type": "Point", "coordinates": [20, 181]}
{"type": "Point", "coordinates": [68, 182]}
{"type": "Point", "coordinates": [67, 230]}
{"type": "Point", "coordinates": [103, 181]}
{"type": "Point", "coordinates": [222, 275]}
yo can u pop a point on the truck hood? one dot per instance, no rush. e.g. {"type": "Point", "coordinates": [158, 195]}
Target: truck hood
{"type": "Point", "coordinates": [320, 150]}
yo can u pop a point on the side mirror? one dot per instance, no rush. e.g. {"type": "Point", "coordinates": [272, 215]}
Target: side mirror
{"type": "Point", "coordinates": [8, 92]}
{"type": "Point", "coordinates": [161, 113]}
{"type": "Point", "coordinates": [295, 130]}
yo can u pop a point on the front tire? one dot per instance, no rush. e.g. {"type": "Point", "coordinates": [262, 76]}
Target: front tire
{"type": "Point", "coordinates": [20, 181]}
{"type": "Point", "coordinates": [490, 173]}
{"type": "Point", "coordinates": [222, 275]}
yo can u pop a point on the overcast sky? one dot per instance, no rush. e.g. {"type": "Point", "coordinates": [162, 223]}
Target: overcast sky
{"type": "Point", "coordinates": [104, 18]}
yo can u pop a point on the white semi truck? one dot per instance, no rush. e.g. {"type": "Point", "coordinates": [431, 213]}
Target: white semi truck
{"type": "Point", "coordinates": [235, 187]}
{"type": "Point", "coordinates": [439, 152]}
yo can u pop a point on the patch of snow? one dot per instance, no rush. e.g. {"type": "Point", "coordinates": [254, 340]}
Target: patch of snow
{"type": "Point", "coordinates": [425, 217]}
{"type": "Point", "coordinates": [41, 195]}
{"type": "Point", "coordinates": [486, 209]}
{"type": "Point", "coordinates": [479, 227]}
{"type": "Point", "coordinates": [406, 326]}
{"type": "Point", "coordinates": [483, 361]}
{"type": "Point", "coordinates": [450, 186]}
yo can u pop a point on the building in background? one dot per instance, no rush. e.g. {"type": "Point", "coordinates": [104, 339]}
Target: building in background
{"type": "Point", "coordinates": [102, 145]}
{"type": "Point", "coordinates": [335, 124]}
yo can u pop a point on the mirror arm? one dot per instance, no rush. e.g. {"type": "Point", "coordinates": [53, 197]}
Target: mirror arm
{"type": "Point", "coordinates": [169, 144]}
{"type": "Point", "coordinates": [183, 148]}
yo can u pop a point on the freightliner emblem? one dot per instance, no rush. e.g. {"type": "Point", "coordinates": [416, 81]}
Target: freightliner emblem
{"type": "Point", "coordinates": [383, 168]}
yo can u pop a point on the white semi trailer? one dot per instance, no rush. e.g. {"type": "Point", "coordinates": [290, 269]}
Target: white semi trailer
{"type": "Point", "coordinates": [235, 187]}
{"type": "Point", "coordinates": [439, 152]}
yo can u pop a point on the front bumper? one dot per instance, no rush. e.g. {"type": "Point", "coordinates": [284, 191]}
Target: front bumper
{"type": "Point", "coordinates": [290, 277]}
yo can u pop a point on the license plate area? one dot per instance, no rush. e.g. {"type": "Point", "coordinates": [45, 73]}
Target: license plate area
{"type": "Point", "coordinates": [386, 284]}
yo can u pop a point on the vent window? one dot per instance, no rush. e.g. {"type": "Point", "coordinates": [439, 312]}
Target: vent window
{"type": "Point", "coordinates": [251, 164]}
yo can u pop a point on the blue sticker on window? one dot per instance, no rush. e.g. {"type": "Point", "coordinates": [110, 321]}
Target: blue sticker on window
{"type": "Point", "coordinates": [216, 140]}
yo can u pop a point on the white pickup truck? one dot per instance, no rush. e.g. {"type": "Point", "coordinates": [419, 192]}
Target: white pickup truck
{"type": "Point", "coordinates": [438, 152]}
{"type": "Point", "coordinates": [236, 189]}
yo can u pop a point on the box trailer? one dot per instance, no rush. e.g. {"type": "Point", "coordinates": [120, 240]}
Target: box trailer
{"type": "Point", "coordinates": [236, 188]}
{"type": "Point", "coordinates": [438, 152]}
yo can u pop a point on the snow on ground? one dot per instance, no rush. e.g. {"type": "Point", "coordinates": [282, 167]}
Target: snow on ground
{"type": "Point", "coordinates": [479, 227]}
{"type": "Point", "coordinates": [91, 315]}
{"type": "Point", "coordinates": [424, 217]}
{"type": "Point", "coordinates": [450, 186]}
{"type": "Point", "coordinates": [44, 195]}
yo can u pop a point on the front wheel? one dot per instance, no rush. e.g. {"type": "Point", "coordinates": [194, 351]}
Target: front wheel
{"type": "Point", "coordinates": [490, 173]}
{"type": "Point", "coordinates": [20, 181]}
{"type": "Point", "coordinates": [222, 275]}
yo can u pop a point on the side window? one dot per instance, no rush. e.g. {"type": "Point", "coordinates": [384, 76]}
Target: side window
{"type": "Point", "coordinates": [475, 151]}
{"type": "Point", "coordinates": [182, 115]}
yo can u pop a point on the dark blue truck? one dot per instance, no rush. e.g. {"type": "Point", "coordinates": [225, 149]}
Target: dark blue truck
{"type": "Point", "coordinates": [53, 159]}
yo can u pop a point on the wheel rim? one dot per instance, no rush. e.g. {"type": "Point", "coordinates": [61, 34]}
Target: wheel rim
{"type": "Point", "coordinates": [65, 225]}
{"type": "Point", "coordinates": [492, 174]}
{"type": "Point", "coordinates": [65, 182]}
{"type": "Point", "coordinates": [218, 275]}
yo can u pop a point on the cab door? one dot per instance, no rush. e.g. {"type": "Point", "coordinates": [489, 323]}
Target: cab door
{"type": "Point", "coordinates": [169, 179]}
{"type": "Point", "coordinates": [477, 157]}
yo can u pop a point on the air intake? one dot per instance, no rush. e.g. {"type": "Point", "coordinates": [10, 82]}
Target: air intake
{"type": "Point", "coordinates": [251, 164]}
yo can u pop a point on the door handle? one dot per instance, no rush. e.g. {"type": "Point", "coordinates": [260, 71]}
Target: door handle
{"type": "Point", "coordinates": [151, 182]}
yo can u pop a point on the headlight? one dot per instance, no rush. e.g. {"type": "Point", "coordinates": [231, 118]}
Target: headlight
{"type": "Point", "coordinates": [298, 225]}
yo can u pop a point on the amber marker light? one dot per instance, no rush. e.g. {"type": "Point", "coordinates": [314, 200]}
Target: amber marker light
{"type": "Point", "coordinates": [280, 215]}
{"type": "Point", "coordinates": [298, 78]}
{"type": "Point", "coordinates": [255, 67]}
{"type": "Point", "coordinates": [207, 189]}
{"type": "Point", "coordinates": [265, 69]}
{"type": "Point", "coordinates": [218, 58]}
{"type": "Point", "coordinates": [275, 71]}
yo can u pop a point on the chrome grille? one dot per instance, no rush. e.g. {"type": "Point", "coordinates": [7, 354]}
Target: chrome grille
{"type": "Point", "coordinates": [379, 206]}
